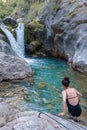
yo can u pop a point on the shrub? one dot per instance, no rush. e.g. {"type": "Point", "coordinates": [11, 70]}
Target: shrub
{"type": "Point", "coordinates": [35, 9]}
{"type": "Point", "coordinates": [38, 25]}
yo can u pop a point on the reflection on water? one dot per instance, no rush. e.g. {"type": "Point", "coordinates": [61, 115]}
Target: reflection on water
{"type": "Point", "coordinates": [45, 93]}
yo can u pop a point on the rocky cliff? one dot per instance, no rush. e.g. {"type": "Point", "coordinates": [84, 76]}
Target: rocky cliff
{"type": "Point", "coordinates": [67, 29]}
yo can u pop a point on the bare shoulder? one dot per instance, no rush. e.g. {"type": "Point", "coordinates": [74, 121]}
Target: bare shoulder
{"type": "Point", "coordinates": [77, 91]}
{"type": "Point", "coordinates": [73, 89]}
{"type": "Point", "coordinates": [63, 92]}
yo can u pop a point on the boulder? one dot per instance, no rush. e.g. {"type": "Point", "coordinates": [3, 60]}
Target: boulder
{"type": "Point", "coordinates": [10, 21]}
{"type": "Point", "coordinates": [13, 67]}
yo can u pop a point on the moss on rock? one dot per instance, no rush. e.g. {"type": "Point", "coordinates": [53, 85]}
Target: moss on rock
{"type": "Point", "coordinates": [36, 25]}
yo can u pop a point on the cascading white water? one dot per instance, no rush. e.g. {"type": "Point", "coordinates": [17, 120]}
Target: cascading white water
{"type": "Point", "coordinates": [16, 44]}
{"type": "Point", "coordinates": [10, 37]}
{"type": "Point", "coordinates": [20, 39]}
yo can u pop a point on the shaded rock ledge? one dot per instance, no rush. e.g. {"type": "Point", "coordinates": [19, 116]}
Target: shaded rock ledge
{"type": "Point", "coordinates": [12, 119]}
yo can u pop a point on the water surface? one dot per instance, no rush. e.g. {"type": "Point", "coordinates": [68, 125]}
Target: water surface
{"type": "Point", "coordinates": [45, 93]}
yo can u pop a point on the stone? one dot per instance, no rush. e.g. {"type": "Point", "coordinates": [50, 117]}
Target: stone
{"type": "Point", "coordinates": [12, 119]}
{"type": "Point", "coordinates": [10, 21]}
{"type": "Point", "coordinates": [13, 67]}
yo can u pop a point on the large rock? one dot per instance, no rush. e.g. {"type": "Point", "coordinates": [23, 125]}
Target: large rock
{"type": "Point", "coordinates": [12, 119]}
{"type": "Point", "coordinates": [10, 21]}
{"type": "Point", "coordinates": [5, 47]}
{"type": "Point", "coordinates": [68, 28]}
{"type": "Point", "coordinates": [12, 67]}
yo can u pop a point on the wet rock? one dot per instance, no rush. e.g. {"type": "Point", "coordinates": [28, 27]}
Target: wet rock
{"type": "Point", "coordinates": [6, 48]}
{"type": "Point", "coordinates": [10, 21]}
{"type": "Point", "coordinates": [34, 46]}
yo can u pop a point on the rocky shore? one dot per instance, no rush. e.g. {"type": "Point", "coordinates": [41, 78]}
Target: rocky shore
{"type": "Point", "coordinates": [13, 119]}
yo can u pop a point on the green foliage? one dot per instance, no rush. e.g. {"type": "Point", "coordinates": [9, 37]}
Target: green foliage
{"type": "Point", "coordinates": [5, 9]}
{"type": "Point", "coordinates": [31, 8]}
{"type": "Point", "coordinates": [38, 26]}
{"type": "Point", "coordinates": [35, 9]}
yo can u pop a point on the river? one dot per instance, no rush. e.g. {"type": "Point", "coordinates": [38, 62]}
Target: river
{"type": "Point", "coordinates": [45, 93]}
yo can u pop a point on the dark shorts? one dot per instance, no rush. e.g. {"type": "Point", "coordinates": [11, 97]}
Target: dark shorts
{"type": "Point", "coordinates": [74, 110]}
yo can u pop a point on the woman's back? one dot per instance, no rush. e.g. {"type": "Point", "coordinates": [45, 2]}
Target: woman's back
{"type": "Point", "coordinates": [71, 96]}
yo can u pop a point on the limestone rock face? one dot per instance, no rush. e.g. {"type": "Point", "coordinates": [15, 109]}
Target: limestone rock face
{"type": "Point", "coordinates": [68, 29]}
{"type": "Point", "coordinates": [12, 67]}
{"type": "Point", "coordinates": [11, 119]}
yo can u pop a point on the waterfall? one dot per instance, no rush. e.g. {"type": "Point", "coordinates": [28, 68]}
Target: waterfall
{"type": "Point", "coordinates": [18, 43]}
{"type": "Point", "coordinates": [20, 39]}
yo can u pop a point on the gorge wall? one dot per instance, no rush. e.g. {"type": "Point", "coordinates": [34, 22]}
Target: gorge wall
{"type": "Point", "coordinates": [67, 32]}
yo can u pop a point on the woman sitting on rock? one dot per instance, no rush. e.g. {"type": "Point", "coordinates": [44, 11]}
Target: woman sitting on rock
{"type": "Point", "coordinates": [71, 98]}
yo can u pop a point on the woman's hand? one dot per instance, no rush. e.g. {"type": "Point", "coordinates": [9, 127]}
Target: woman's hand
{"type": "Point", "coordinates": [61, 114]}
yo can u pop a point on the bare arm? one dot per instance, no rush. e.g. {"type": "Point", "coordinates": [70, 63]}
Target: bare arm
{"type": "Point", "coordinates": [78, 93]}
{"type": "Point", "coordinates": [64, 104]}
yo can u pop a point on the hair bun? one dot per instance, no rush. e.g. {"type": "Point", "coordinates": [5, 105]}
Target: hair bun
{"type": "Point", "coordinates": [65, 81]}
{"type": "Point", "coordinates": [66, 78]}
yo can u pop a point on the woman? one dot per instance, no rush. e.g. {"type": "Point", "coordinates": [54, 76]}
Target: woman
{"type": "Point", "coordinates": [71, 98]}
